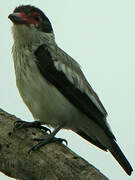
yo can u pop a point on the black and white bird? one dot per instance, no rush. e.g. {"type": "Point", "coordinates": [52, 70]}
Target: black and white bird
{"type": "Point", "coordinates": [53, 86]}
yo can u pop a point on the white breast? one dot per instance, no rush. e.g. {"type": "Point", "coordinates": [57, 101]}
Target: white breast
{"type": "Point", "coordinates": [44, 101]}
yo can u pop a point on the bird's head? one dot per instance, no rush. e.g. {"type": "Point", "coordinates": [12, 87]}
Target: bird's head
{"type": "Point", "coordinates": [29, 22]}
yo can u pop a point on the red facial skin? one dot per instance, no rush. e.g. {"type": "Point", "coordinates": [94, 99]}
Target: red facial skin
{"type": "Point", "coordinates": [22, 18]}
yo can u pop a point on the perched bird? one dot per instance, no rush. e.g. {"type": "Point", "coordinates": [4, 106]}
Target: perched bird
{"type": "Point", "coordinates": [53, 86]}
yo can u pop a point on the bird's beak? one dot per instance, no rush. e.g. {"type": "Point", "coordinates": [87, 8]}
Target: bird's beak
{"type": "Point", "coordinates": [18, 18]}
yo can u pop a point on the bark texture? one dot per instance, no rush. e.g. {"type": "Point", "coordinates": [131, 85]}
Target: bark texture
{"type": "Point", "coordinates": [51, 162]}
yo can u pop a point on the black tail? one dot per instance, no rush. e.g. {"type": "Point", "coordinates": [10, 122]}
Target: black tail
{"type": "Point", "coordinates": [114, 150]}
{"type": "Point", "coordinates": [120, 157]}
{"type": "Point", "coordinates": [88, 138]}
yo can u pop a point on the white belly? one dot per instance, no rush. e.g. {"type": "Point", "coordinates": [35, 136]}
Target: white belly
{"type": "Point", "coordinates": [44, 101]}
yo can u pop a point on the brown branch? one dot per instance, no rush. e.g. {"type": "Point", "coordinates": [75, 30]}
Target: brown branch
{"type": "Point", "coordinates": [52, 162]}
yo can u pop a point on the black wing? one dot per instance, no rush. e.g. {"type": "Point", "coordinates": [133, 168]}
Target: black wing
{"type": "Point", "coordinates": [70, 81]}
{"type": "Point", "coordinates": [58, 77]}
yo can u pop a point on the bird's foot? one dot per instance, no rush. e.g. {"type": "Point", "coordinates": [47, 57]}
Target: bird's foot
{"type": "Point", "coordinates": [43, 142]}
{"type": "Point", "coordinates": [24, 124]}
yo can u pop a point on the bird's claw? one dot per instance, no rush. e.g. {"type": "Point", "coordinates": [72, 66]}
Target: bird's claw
{"type": "Point", "coordinates": [22, 124]}
{"type": "Point", "coordinates": [18, 124]}
{"type": "Point", "coordinates": [42, 142]}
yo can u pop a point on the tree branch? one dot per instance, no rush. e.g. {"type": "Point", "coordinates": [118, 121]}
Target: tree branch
{"type": "Point", "coordinates": [52, 162]}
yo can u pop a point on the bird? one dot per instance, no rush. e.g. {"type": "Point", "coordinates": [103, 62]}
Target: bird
{"type": "Point", "coordinates": [53, 86]}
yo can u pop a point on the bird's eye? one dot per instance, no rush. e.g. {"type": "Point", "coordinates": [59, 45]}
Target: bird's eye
{"type": "Point", "coordinates": [37, 18]}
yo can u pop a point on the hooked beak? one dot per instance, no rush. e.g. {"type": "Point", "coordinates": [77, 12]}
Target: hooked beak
{"type": "Point", "coordinates": [18, 18]}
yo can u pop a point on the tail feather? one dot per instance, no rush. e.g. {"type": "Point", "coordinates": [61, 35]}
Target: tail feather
{"type": "Point", "coordinates": [110, 145]}
{"type": "Point", "coordinates": [113, 149]}
{"type": "Point", "coordinates": [88, 138]}
{"type": "Point", "coordinates": [120, 157]}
